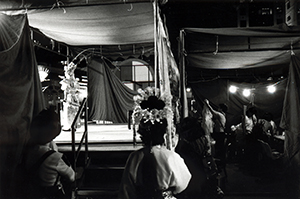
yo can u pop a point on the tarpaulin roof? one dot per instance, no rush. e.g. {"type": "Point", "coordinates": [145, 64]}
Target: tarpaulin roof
{"type": "Point", "coordinates": [110, 28]}
{"type": "Point", "coordinates": [240, 48]}
{"type": "Point", "coordinates": [95, 23]}
{"type": "Point", "coordinates": [42, 4]}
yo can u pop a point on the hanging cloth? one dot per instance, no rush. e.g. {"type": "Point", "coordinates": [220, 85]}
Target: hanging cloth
{"type": "Point", "coordinates": [109, 99]}
{"type": "Point", "coordinates": [21, 94]}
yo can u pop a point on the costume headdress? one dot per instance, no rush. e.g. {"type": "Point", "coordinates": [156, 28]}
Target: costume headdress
{"type": "Point", "coordinates": [150, 107]}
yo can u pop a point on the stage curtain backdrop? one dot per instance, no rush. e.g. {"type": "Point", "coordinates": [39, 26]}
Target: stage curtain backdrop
{"type": "Point", "coordinates": [109, 99]}
{"type": "Point", "coordinates": [21, 96]}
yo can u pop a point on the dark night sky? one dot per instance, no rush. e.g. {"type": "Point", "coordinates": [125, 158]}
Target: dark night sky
{"type": "Point", "coordinates": [204, 15]}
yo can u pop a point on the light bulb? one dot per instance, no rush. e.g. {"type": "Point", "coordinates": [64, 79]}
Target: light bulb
{"type": "Point", "coordinates": [271, 89]}
{"type": "Point", "coordinates": [232, 89]}
{"type": "Point", "coordinates": [246, 92]}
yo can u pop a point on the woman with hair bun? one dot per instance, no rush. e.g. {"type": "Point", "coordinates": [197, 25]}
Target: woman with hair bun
{"type": "Point", "coordinates": [153, 171]}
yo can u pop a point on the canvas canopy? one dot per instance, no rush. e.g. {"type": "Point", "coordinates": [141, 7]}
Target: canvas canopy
{"type": "Point", "coordinates": [93, 25]}
{"type": "Point", "coordinates": [110, 28]}
{"type": "Point", "coordinates": [78, 24]}
{"type": "Point", "coordinates": [240, 48]}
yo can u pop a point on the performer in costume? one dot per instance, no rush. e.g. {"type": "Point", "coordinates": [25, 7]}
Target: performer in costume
{"type": "Point", "coordinates": [153, 171]}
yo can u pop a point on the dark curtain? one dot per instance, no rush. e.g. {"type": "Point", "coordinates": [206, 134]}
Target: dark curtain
{"type": "Point", "coordinates": [290, 121]}
{"type": "Point", "coordinates": [216, 91]}
{"type": "Point", "coordinates": [21, 96]}
{"type": "Point", "coordinates": [108, 98]}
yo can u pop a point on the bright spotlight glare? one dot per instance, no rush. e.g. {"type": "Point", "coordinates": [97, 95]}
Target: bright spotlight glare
{"type": "Point", "coordinates": [232, 89]}
{"type": "Point", "coordinates": [271, 89]}
{"type": "Point", "coordinates": [188, 89]}
{"type": "Point", "coordinates": [246, 92]}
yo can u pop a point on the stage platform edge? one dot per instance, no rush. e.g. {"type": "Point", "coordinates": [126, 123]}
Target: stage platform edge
{"type": "Point", "coordinates": [101, 137]}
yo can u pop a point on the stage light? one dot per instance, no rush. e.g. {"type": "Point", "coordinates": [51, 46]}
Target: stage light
{"type": "Point", "coordinates": [246, 92]}
{"type": "Point", "coordinates": [188, 89]}
{"type": "Point", "coordinates": [271, 89]}
{"type": "Point", "coordinates": [232, 89]}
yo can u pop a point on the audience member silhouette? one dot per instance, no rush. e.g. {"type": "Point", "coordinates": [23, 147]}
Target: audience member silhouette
{"type": "Point", "coordinates": [194, 148]}
{"type": "Point", "coordinates": [46, 167]}
{"type": "Point", "coordinates": [153, 171]}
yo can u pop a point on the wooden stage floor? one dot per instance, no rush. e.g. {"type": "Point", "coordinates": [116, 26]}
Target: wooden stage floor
{"type": "Point", "coordinates": [101, 137]}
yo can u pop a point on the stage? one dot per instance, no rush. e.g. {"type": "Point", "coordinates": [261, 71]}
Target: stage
{"type": "Point", "coordinates": [101, 137]}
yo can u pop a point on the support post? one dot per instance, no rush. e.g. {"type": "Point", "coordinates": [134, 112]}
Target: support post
{"type": "Point", "coordinates": [183, 97]}
{"type": "Point", "coordinates": [155, 45]}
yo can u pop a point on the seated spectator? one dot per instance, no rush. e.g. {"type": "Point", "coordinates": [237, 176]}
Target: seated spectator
{"type": "Point", "coordinates": [268, 124]}
{"type": "Point", "coordinates": [46, 167]}
{"type": "Point", "coordinates": [153, 171]}
{"type": "Point", "coordinates": [269, 153]}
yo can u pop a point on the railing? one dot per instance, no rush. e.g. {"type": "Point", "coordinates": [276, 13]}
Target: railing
{"type": "Point", "coordinates": [84, 139]}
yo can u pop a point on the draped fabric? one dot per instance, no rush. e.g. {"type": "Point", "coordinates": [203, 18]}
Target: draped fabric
{"type": "Point", "coordinates": [21, 95]}
{"type": "Point", "coordinates": [241, 48]}
{"type": "Point", "coordinates": [112, 24]}
{"type": "Point", "coordinates": [109, 99]}
{"type": "Point", "coordinates": [9, 35]}
{"type": "Point", "coordinates": [168, 69]}
{"type": "Point", "coordinates": [168, 77]}
{"type": "Point", "coordinates": [290, 123]}
{"type": "Point", "coordinates": [291, 109]}
{"type": "Point", "coordinates": [21, 4]}
{"type": "Point", "coordinates": [109, 28]}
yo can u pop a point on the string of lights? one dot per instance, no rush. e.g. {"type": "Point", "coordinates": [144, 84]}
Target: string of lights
{"type": "Point", "coordinates": [247, 91]}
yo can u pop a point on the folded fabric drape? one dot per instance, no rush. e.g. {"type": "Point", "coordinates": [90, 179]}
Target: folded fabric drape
{"type": "Point", "coordinates": [112, 24]}
{"type": "Point", "coordinates": [290, 114]}
{"type": "Point", "coordinates": [109, 99]}
{"type": "Point", "coordinates": [21, 95]}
